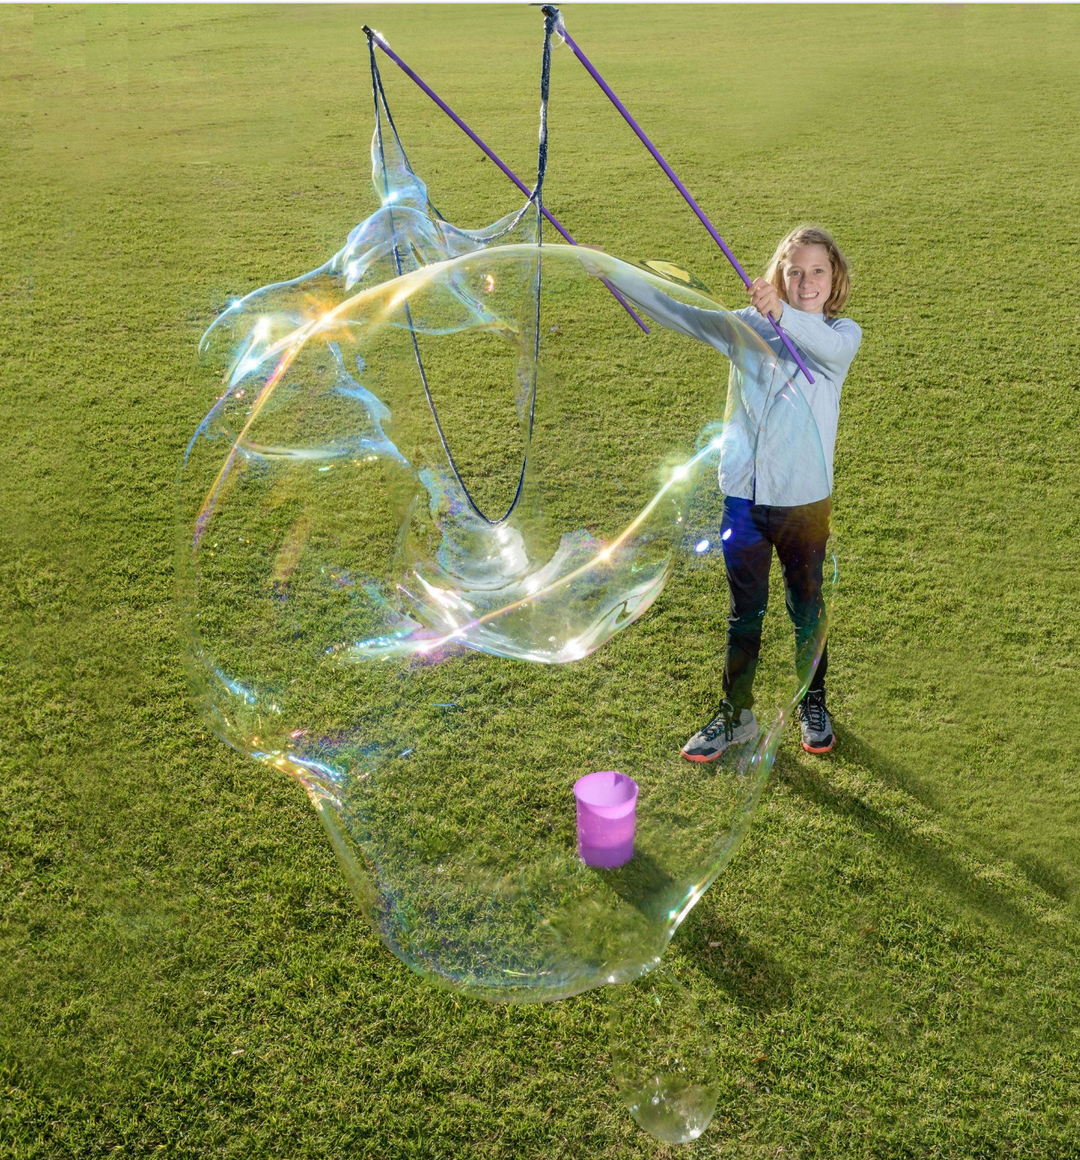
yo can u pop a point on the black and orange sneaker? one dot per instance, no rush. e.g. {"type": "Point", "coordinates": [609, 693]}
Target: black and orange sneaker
{"type": "Point", "coordinates": [815, 724]}
{"type": "Point", "coordinates": [729, 727]}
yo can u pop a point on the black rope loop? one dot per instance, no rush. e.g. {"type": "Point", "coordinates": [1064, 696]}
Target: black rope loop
{"type": "Point", "coordinates": [534, 203]}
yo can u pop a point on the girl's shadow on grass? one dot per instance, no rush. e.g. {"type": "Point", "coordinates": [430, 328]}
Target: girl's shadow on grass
{"type": "Point", "coordinates": [925, 857]}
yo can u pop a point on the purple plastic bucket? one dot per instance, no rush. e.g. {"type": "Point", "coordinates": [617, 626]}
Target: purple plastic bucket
{"type": "Point", "coordinates": [606, 813]}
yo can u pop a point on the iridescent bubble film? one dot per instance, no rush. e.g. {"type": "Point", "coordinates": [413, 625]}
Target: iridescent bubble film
{"type": "Point", "coordinates": [429, 571]}
{"type": "Point", "coordinates": [663, 1057]}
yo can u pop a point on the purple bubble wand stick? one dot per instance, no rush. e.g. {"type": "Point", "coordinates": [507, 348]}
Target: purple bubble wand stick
{"type": "Point", "coordinates": [560, 30]}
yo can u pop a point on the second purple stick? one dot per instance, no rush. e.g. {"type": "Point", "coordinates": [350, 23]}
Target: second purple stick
{"type": "Point", "coordinates": [381, 42]}
{"type": "Point", "coordinates": [561, 31]}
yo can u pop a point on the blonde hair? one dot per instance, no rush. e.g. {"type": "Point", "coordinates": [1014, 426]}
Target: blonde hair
{"type": "Point", "coordinates": [809, 235]}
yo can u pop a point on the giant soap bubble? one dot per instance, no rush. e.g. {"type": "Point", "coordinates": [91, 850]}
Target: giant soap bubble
{"type": "Point", "coordinates": [435, 578]}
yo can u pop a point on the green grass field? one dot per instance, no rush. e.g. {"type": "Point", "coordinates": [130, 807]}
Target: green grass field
{"type": "Point", "coordinates": [888, 967]}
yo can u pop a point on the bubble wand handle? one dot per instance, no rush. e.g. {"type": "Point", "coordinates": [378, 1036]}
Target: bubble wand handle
{"type": "Point", "coordinates": [378, 39]}
{"type": "Point", "coordinates": [560, 30]}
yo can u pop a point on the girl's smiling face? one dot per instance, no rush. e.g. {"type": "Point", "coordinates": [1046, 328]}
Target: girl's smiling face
{"type": "Point", "coordinates": [807, 275]}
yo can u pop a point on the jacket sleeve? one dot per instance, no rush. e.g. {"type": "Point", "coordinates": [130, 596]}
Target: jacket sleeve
{"type": "Point", "coordinates": [831, 347]}
{"type": "Point", "coordinates": [716, 327]}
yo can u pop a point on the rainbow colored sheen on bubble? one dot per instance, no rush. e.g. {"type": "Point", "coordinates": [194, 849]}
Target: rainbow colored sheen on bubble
{"type": "Point", "coordinates": [398, 590]}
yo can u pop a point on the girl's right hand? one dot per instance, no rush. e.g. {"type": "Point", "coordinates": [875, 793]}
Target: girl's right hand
{"type": "Point", "coordinates": [765, 298]}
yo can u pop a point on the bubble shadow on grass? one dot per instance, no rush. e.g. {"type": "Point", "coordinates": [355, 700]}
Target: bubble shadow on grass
{"type": "Point", "coordinates": [747, 974]}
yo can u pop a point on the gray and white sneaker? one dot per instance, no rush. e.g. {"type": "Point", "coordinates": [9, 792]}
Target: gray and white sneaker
{"type": "Point", "coordinates": [815, 724]}
{"type": "Point", "coordinates": [729, 727]}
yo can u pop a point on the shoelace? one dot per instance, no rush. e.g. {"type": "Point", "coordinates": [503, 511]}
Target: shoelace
{"type": "Point", "coordinates": [813, 710]}
{"type": "Point", "coordinates": [721, 723]}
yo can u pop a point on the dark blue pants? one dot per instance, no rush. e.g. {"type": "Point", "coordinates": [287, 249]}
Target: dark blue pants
{"type": "Point", "coordinates": [749, 533]}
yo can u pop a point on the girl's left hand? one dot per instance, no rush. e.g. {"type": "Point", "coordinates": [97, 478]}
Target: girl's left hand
{"type": "Point", "coordinates": [765, 298]}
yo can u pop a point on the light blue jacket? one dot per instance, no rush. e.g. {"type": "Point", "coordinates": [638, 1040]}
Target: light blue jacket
{"type": "Point", "coordinates": [779, 430]}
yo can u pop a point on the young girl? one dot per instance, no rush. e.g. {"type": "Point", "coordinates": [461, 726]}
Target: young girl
{"type": "Point", "coordinates": [775, 474]}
